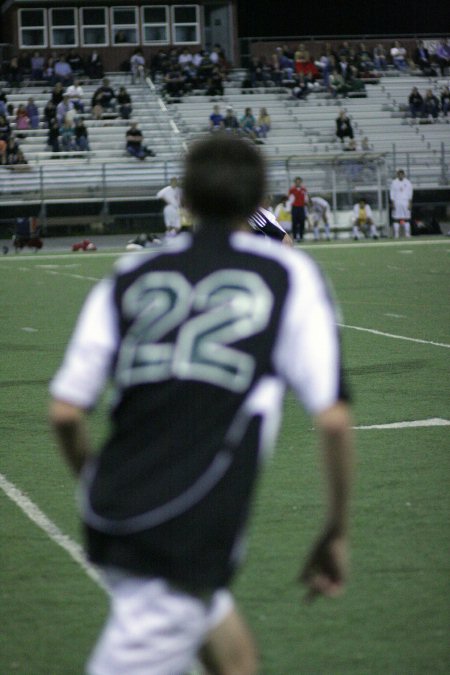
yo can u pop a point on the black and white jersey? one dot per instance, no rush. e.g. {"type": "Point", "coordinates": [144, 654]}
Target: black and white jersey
{"type": "Point", "coordinates": [200, 339]}
{"type": "Point", "coordinates": [264, 222]}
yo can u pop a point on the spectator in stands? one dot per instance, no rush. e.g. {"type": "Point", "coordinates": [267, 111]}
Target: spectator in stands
{"type": "Point", "coordinates": [137, 66]}
{"type": "Point", "coordinates": [263, 123]}
{"type": "Point", "coordinates": [344, 69]}
{"type": "Point", "coordinates": [431, 105]}
{"type": "Point", "coordinates": [174, 82]}
{"type": "Point", "coordinates": [351, 146]}
{"type": "Point", "coordinates": [230, 121]}
{"type": "Point", "coordinates": [49, 71]}
{"type": "Point", "coordinates": [365, 145]}
{"type": "Point", "coordinates": [63, 72]}
{"type": "Point", "coordinates": [14, 73]}
{"type": "Point", "coordinates": [12, 150]}
{"type": "Point", "coordinates": [300, 89]}
{"type": "Point", "coordinates": [33, 113]}
{"type": "Point", "coordinates": [415, 102]}
{"type": "Point", "coordinates": [17, 161]}
{"type": "Point", "coordinates": [49, 113]}
{"type": "Point", "coordinates": [63, 109]}
{"type": "Point", "coordinates": [399, 56]}
{"type": "Point", "coordinates": [75, 62]}
{"type": "Point", "coordinates": [124, 103]}
{"type": "Point", "coordinates": [248, 125]}
{"type": "Point", "coordinates": [379, 57]}
{"type": "Point", "coordinates": [67, 136]}
{"type": "Point", "coordinates": [326, 64]}
{"type": "Point", "coordinates": [285, 63]}
{"type": "Point", "coordinates": [363, 58]}
{"type": "Point", "coordinates": [185, 58]}
{"type": "Point", "coordinates": [362, 221]}
{"type": "Point", "coordinates": [104, 97]}
{"type": "Point", "coordinates": [57, 94]}
{"type": "Point", "coordinates": [214, 85]}
{"type": "Point", "coordinates": [53, 135]}
{"type": "Point", "coordinates": [81, 135]}
{"type": "Point", "coordinates": [442, 56]}
{"type": "Point", "coordinates": [5, 128]}
{"type": "Point", "coordinates": [134, 143]}
{"type": "Point", "coordinates": [94, 66]}
{"type": "Point", "coordinates": [37, 66]}
{"type": "Point", "coordinates": [75, 93]}
{"type": "Point", "coordinates": [421, 58]}
{"type": "Point", "coordinates": [205, 71]}
{"type": "Point", "coordinates": [22, 120]}
{"type": "Point", "coordinates": [216, 120]}
{"type": "Point", "coordinates": [344, 127]}
{"type": "Point", "coordinates": [301, 60]}
{"type": "Point", "coordinates": [445, 101]}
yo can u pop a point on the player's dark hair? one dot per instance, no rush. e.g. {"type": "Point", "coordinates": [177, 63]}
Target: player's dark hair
{"type": "Point", "coordinates": [224, 179]}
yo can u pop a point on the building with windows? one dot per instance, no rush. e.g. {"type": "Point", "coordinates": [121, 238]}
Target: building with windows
{"type": "Point", "coordinates": [115, 28]}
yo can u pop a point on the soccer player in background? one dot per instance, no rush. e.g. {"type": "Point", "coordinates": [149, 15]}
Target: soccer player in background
{"type": "Point", "coordinates": [401, 194]}
{"type": "Point", "coordinates": [199, 339]}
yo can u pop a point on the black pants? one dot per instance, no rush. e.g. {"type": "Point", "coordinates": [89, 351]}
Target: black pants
{"type": "Point", "coordinates": [298, 221]}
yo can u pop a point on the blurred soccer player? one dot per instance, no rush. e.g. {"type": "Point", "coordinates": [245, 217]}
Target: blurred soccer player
{"type": "Point", "coordinates": [200, 340]}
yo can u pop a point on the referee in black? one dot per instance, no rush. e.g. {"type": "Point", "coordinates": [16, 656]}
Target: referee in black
{"type": "Point", "coordinates": [200, 339]}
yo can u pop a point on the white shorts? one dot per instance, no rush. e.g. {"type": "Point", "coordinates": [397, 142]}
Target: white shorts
{"type": "Point", "coordinates": [401, 212]}
{"type": "Point", "coordinates": [172, 218]}
{"type": "Point", "coordinates": [154, 628]}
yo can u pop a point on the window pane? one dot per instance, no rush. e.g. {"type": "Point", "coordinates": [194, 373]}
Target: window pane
{"type": "Point", "coordinates": [33, 38]}
{"type": "Point", "coordinates": [124, 16]}
{"type": "Point", "coordinates": [63, 17]}
{"type": "Point", "coordinates": [63, 37]}
{"type": "Point", "coordinates": [94, 36]}
{"type": "Point", "coordinates": [32, 17]}
{"type": "Point", "coordinates": [185, 14]}
{"type": "Point", "coordinates": [125, 35]}
{"type": "Point", "coordinates": [154, 15]}
{"type": "Point", "coordinates": [155, 34]}
{"type": "Point", "coordinates": [94, 17]}
{"type": "Point", "coordinates": [186, 34]}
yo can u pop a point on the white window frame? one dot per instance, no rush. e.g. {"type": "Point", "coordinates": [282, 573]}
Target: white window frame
{"type": "Point", "coordinates": [166, 25]}
{"type": "Point", "coordinates": [44, 28]}
{"type": "Point", "coordinates": [124, 26]}
{"type": "Point", "coordinates": [83, 26]}
{"type": "Point", "coordinates": [174, 25]}
{"type": "Point", "coordinates": [74, 26]}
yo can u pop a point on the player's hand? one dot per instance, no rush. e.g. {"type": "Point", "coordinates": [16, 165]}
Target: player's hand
{"type": "Point", "coordinates": [325, 570]}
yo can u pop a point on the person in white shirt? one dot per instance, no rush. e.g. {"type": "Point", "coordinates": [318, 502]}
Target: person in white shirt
{"type": "Point", "coordinates": [401, 194]}
{"type": "Point", "coordinates": [362, 221]}
{"type": "Point", "coordinates": [137, 66]}
{"type": "Point", "coordinates": [171, 195]}
{"type": "Point", "coordinates": [319, 211]}
{"type": "Point", "coordinates": [75, 94]}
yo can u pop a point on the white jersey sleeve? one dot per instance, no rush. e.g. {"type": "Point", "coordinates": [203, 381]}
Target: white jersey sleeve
{"type": "Point", "coordinates": [89, 356]}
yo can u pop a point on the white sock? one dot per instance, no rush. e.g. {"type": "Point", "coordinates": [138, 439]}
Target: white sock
{"type": "Point", "coordinates": [396, 229]}
{"type": "Point", "coordinates": [407, 228]}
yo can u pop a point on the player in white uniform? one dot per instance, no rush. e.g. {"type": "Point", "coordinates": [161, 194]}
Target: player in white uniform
{"type": "Point", "coordinates": [319, 211]}
{"type": "Point", "coordinates": [362, 221]}
{"type": "Point", "coordinates": [171, 195]}
{"type": "Point", "coordinates": [401, 194]}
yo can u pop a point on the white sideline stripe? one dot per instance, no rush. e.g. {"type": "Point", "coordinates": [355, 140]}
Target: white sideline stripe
{"type": "Point", "coordinates": [432, 422]}
{"type": "Point", "coordinates": [396, 337]}
{"type": "Point", "coordinates": [35, 514]}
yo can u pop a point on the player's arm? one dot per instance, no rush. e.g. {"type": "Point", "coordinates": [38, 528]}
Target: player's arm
{"type": "Point", "coordinates": [69, 425]}
{"type": "Point", "coordinates": [326, 568]}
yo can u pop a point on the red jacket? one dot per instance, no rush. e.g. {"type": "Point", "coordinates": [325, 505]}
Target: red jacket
{"type": "Point", "coordinates": [300, 195]}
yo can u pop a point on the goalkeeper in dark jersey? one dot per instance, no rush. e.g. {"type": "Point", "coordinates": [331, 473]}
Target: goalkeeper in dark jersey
{"type": "Point", "coordinates": [200, 340]}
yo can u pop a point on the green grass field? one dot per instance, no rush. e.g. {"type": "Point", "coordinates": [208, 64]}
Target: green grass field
{"type": "Point", "coordinates": [395, 617]}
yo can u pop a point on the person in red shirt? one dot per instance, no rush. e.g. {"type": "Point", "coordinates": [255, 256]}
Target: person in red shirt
{"type": "Point", "coordinates": [298, 196]}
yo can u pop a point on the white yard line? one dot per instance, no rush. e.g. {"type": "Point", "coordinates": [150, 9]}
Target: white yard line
{"type": "Point", "coordinates": [395, 337]}
{"type": "Point", "coordinates": [431, 422]}
{"type": "Point", "coordinates": [34, 513]}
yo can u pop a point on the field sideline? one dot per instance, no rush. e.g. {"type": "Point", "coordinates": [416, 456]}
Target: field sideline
{"type": "Point", "coordinates": [395, 617]}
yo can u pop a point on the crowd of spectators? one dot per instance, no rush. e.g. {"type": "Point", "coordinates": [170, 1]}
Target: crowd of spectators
{"type": "Point", "coordinates": [249, 126]}
{"type": "Point", "coordinates": [58, 67]}
{"type": "Point", "coordinates": [429, 106]}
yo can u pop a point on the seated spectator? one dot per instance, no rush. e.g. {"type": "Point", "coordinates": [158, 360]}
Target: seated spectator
{"type": "Point", "coordinates": [344, 127]}
{"type": "Point", "coordinates": [67, 136]}
{"type": "Point", "coordinates": [104, 97]}
{"type": "Point", "coordinates": [33, 113]}
{"type": "Point", "coordinates": [442, 56]}
{"type": "Point", "coordinates": [399, 56]}
{"type": "Point", "coordinates": [286, 63]}
{"type": "Point", "coordinates": [63, 109]}
{"type": "Point", "coordinates": [37, 66]}
{"type": "Point", "coordinates": [263, 123]}
{"type": "Point", "coordinates": [14, 73]}
{"type": "Point", "coordinates": [214, 85]}
{"type": "Point", "coordinates": [363, 59]}
{"type": "Point", "coordinates": [326, 64]}
{"type": "Point", "coordinates": [205, 71]}
{"type": "Point", "coordinates": [216, 119]}
{"type": "Point", "coordinates": [12, 150]}
{"type": "Point", "coordinates": [49, 113]}
{"type": "Point", "coordinates": [421, 58]}
{"type": "Point", "coordinates": [137, 66]}
{"type": "Point", "coordinates": [22, 120]}
{"type": "Point", "coordinates": [301, 59]}
{"type": "Point", "coordinates": [53, 135]}
{"type": "Point", "coordinates": [81, 135]}
{"type": "Point", "coordinates": [17, 161]}
{"type": "Point", "coordinates": [185, 58]}
{"type": "Point", "coordinates": [57, 94]}
{"type": "Point", "coordinates": [75, 94]}
{"type": "Point", "coordinates": [5, 129]}
{"type": "Point", "coordinates": [63, 71]}
{"type": "Point", "coordinates": [94, 66]}
{"type": "Point", "coordinates": [134, 143]}
{"type": "Point", "coordinates": [445, 101]}
{"type": "Point", "coordinates": [124, 103]}
{"type": "Point", "coordinates": [230, 121]}
{"type": "Point", "coordinates": [379, 57]}
{"type": "Point", "coordinates": [49, 71]}
{"type": "Point", "coordinates": [75, 62]}
{"type": "Point", "coordinates": [415, 102]}
{"type": "Point", "coordinates": [248, 124]}
{"type": "Point", "coordinates": [174, 82]}
{"type": "Point", "coordinates": [431, 105]}
{"type": "Point", "coordinates": [362, 221]}
{"type": "Point", "coordinates": [300, 89]}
